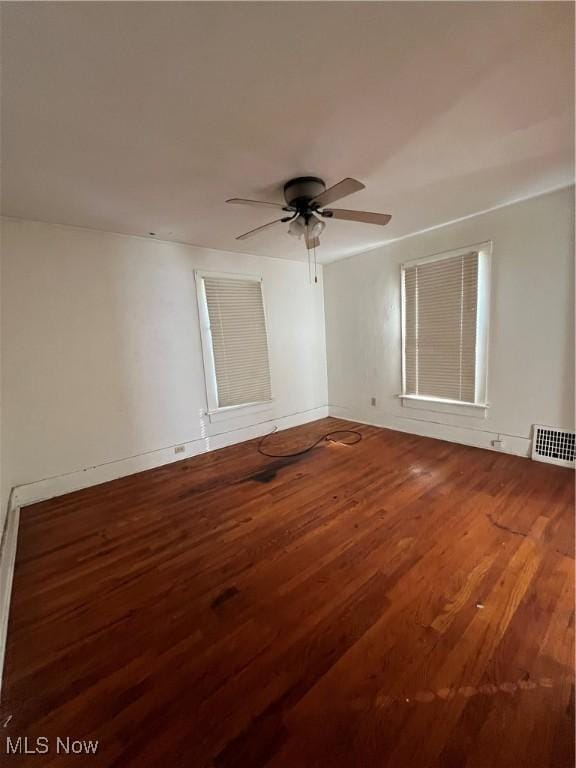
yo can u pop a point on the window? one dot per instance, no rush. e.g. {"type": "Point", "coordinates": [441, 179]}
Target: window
{"type": "Point", "coordinates": [234, 341]}
{"type": "Point", "coordinates": [444, 327]}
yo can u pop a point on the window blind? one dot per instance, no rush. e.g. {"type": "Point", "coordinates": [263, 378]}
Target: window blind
{"type": "Point", "coordinates": [441, 304]}
{"type": "Point", "coordinates": [239, 341]}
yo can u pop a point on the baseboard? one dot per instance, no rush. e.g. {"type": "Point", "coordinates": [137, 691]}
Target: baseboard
{"type": "Point", "coordinates": [8, 546]}
{"type": "Point", "coordinates": [477, 438]}
{"type": "Point", "coordinates": [48, 488]}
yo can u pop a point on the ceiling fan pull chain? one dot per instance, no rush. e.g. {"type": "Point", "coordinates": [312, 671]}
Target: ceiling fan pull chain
{"type": "Point", "coordinates": [307, 244]}
{"type": "Point", "coordinates": [315, 265]}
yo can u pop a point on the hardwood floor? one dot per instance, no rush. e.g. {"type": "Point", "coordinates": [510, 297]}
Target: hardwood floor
{"type": "Point", "coordinates": [400, 602]}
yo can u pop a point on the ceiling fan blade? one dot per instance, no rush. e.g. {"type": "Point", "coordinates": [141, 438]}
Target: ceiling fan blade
{"type": "Point", "coordinates": [259, 229]}
{"type": "Point", "coordinates": [364, 216]}
{"type": "Point", "coordinates": [242, 201]}
{"type": "Point", "coordinates": [342, 189]}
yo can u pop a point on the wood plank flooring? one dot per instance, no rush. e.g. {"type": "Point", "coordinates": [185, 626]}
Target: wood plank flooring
{"type": "Point", "coordinates": [400, 602]}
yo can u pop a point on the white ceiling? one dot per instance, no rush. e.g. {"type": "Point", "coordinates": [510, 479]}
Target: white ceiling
{"type": "Point", "coordinates": [145, 117]}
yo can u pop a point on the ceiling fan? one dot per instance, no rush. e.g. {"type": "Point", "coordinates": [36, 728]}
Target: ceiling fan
{"type": "Point", "coordinates": [306, 200]}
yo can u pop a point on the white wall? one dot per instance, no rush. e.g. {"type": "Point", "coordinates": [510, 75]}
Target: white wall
{"type": "Point", "coordinates": [531, 344]}
{"type": "Point", "coordinates": [101, 346]}
{"type": "Point", "coordinates": [1, 457]}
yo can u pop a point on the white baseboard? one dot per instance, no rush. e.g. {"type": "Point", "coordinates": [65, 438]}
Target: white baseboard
{"type": "Point", "coordinates": [48, 488]}
{"type": "Point", "coordinates": [477, 438]}
{"type": "Point", "coordinates": [8, 545]}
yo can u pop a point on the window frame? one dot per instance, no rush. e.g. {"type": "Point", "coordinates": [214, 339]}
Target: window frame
{"type": "Point", "coordinates": [214, 411]}
{"type": "Point", "coordinates": [444, 405]}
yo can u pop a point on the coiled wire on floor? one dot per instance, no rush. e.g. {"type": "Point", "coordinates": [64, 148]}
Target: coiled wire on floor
{"type": "Point", "coordinates": [327, 436]}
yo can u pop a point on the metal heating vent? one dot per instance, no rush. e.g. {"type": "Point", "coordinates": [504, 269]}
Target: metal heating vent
{"type": "Point", "coordinates": [555, 446]}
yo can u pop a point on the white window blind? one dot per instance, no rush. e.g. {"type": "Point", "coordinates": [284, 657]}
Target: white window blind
{"type": "Point", "coordinates": [239, 342]}
{"type": "Point", "coordinates": [440, 313]}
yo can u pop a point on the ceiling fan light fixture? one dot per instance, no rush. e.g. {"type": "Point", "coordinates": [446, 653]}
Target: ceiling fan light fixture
{"type": "Point", "coordinates": [315, 227]}
{"type": "Point", "coordinates": [297, 227]}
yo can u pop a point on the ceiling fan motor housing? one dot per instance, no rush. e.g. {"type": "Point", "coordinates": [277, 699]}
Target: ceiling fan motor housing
{"type": "Point", "coordinates": [298, 192]}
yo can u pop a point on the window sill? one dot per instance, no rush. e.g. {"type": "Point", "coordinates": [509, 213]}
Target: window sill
{"type": "Point", "coordinates": [437, 405]}
{"type": "Point", "coordinates": [238, 411]}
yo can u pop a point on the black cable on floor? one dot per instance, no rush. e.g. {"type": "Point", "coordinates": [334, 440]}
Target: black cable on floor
{"type": "Point", "coordinates": [328, 436]}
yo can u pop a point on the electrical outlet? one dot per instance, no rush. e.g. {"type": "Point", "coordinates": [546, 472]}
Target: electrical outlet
{"type": "Point", "coordinates": [373, 401]}
{"type": "Point", "coordinates": [180, 449]}
{"type": "Point", "coordinates": [497, 443]}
